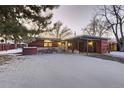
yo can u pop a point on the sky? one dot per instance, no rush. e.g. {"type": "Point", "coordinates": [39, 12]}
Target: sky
{"type": "Point", "coordinates": [75, 16]}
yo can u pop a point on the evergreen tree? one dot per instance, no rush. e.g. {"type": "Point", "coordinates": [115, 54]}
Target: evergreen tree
{"type": "Point", "coordinates": [12, 19]}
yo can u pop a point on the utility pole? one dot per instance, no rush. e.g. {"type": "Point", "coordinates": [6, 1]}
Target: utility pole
{"type": "Point", "coordinates": [75, 34]}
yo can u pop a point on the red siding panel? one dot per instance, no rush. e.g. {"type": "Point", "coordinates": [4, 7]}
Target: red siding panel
{"type": "Point", "coordinates": [104, 46]}
{"type": "Point", "coordinates": [29, 51]}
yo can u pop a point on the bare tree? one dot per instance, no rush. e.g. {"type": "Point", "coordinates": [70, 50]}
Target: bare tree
{"type": "Point", "coordinates": [97, 27]}
{"type": "Point", "coordinates": [114, 15]}
{"type": "Point", "coordinates": [59, 31]}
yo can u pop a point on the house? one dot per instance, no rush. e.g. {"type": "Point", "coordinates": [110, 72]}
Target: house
{"type": "Point", "coordinates": [87, 43]}
{"type": "Point", "coordinates": [45, 42]}
{"type": "Point", "coordinates": [113, 45]}
{"type": "Point", "coordinates": [82, 43]}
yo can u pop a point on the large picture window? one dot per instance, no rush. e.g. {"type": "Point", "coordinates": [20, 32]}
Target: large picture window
{"type": "Point", "coordinates": [47, 43]}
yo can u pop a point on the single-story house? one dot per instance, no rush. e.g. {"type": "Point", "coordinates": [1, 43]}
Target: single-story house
{"type": "Point", "coordinates": [82, 43]}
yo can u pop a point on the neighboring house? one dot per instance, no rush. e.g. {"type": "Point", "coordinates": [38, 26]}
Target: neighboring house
{"type": "Point", "coordinates": [9, 44]}
{"type": "Point", "coordinates": [113, 45]}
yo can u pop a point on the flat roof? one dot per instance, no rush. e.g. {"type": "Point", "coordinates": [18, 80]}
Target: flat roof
{"type": "Point", "coordinates": [87, 37]}
{"type": "Point", "coordinates": [52, 39]}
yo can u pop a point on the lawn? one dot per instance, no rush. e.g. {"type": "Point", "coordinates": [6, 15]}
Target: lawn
{"type": "Point", "coordinates": [111, 57]}
{"type": "Point", "coordinates": [61, 71]}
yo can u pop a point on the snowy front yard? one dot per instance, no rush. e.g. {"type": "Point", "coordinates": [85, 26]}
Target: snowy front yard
{"type": "Point", "coordinates": [12, 51]}
{"type": "Point", "coordinates": [61, 70]}
{"type": "Point", "coordinates": [117, 54]}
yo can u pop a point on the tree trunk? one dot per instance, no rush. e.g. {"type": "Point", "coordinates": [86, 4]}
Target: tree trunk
{"type": "Point", "coordinates": [122, 37]}
{"type": "Point", "coordinates": [122, 45]}
{"type": "Point", "coordinates": [118, 46]}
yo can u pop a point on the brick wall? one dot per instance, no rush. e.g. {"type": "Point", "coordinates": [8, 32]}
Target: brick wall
{"type": "Point", "coordinates": [7, 46]}
{"type": "Point", "coordinates": [37, 43]}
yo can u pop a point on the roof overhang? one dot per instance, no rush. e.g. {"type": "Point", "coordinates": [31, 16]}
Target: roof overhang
{"type": "Point", "coordinates": [86, 37]}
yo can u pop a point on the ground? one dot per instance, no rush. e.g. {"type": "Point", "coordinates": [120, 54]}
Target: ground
{"type": "Point", "coordinates": [113, 56]}
{"type": "Point", "coordinates": [117, 54]}
{"type": "Point", "coordinates": [19, 50]}
{"type": "Point", "coordinates": [61, 70]}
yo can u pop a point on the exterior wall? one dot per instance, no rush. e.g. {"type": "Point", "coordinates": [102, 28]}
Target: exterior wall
{"type": "Point", "coordinates": [104, 46]}
{"type": "Point", "coordinates": [29, 51]}
{"type": "Point", "coordinates": [1, 47]}
{"type": "Point", "coordinates": [54, 44]}
{"type": "Point", "coordinates": [40, 43]}
{"type": "Point", "coordinates": [12, 46]}
{"type": "Point", "coordinates": [82, 46]}
{"type": "Point", "coordinates": [113, 46]}
{"type": "Point", "coordinates": [7, 46]}
{"type": "Point", "coordinates": [98, 46]}
{"type": "Point", "coordinates": [37, 43]}
{"type": "Point", "coordinates": [91, 48]}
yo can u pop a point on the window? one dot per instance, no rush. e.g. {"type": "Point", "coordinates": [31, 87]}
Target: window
{"type": "Point", "coordinates": [47, 43]}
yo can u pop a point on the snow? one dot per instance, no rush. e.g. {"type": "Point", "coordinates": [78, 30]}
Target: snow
{"type": "Point", "coordinates": [61, 71]}
{"type": "Point", "coordinates": [12, 51]}
{"type": "Point", "coordinates": [30, 47]}
{"type": "Point", "coordinates": [117, 54]}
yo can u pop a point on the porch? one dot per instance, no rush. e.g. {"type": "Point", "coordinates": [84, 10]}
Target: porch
{"type": "Point", "coordinates": [87, 44]}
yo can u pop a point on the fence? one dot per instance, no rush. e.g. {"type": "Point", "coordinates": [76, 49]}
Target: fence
{"type": "Point", "coordinates": [9, 46]}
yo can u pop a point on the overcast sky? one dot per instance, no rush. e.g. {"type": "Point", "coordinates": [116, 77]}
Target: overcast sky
{"type": "Point", "coordinates": [75, 16]}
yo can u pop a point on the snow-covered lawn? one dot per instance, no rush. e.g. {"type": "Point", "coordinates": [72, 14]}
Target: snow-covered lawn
{"type": "Point", "coordinates": [12, 51]}
{"type": "Point", "coordinates": [117, 54]}
{"type": "Point", "coordinates": [61, 70]}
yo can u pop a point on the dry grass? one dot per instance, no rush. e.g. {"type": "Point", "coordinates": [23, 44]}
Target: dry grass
{"type": "Point", "coordinates": [5, 58]}
{"type": "Point", "coordinates": [106, 57]}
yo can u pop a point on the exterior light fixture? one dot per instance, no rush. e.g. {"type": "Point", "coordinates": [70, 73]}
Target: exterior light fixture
{"type": "Point", "coordinates": [59, 43]}
{"type": "Point", "coordinates": [69, 44]}
{"type": "Point", "coordinates": [90, 43]}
